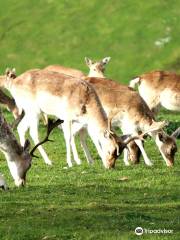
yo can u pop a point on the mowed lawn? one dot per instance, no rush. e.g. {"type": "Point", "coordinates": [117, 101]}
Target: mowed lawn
{"type": "Point", "coordinates": [89, 202]}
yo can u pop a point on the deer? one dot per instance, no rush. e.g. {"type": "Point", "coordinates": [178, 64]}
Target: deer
{"type": "Point", "coordinates": [116, 98]}
{"type": "Point", "coordinates": [9, 103]}
{"type": "Point", "coordinates": [96, 69]}
{"type": "Point", "coordinates": [138, 118]}
{"type": "Point", "coordinates": [159, 89]}
{"type": "Point", "coordinates": [19, 158]}
{"type": "Point", "coordinates": [70, 99]}
{"type": "Point", "coordinates": [3, 183]}
{"type": "Point", "coordinates": [130, 112]}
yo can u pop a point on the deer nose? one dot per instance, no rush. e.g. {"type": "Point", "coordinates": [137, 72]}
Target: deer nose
{"type": "Point", "coordinates": [170, 163]}
{"type": "Point", "coordinates": [20, 182]}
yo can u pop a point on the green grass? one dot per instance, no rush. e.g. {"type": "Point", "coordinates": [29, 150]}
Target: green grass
{"type": "Point", "coordinates": [89, 202]}
{"type": "Point", "coordinates": [37, 33]}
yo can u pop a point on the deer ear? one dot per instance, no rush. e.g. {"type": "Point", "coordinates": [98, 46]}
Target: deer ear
{"type": "Point", "coordinates": [160, 136]}
{"type": "Point", "coordinates": [27, 145]}
{"type": "Point", "coordinates": [14, 71]}
{"type": "Point", "coordinates": [106, 60]}
{"type": "Point", "coordinates": [7, 71]}
{"type": "Point", "coordinates": [88, 61]}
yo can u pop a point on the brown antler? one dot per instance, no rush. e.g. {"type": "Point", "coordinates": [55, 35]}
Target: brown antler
{"type": "Point", "coordinates": [17, 120]}
{"type": "Point", "coordinates": [51, 125]}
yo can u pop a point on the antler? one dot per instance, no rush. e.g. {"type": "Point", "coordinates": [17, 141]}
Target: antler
{"type": "Point", "coordinates": [176, 133]}
{"type": "Point", "coordinates": [141, 136]}
{"type": "Point", "coordinates": [17, 121]}
{"type": "Point", "coordinates": [51, 125]}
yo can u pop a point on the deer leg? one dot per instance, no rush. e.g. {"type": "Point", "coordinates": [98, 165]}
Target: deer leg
{"type": "Point", "coordinates": [82, 135]}
{"type": "Point", "coordinates": [34, 134]}
{"type": "Point", "coordinates": [146, 159]}
{"type": "Point", "coordinates": [66, 127]}
{"type": "Point", "coordinates": [22, 128]}
{"type": "Point", "coordinates": [74, 150]}
{"type": "Point", "coordinates": [126, 154]}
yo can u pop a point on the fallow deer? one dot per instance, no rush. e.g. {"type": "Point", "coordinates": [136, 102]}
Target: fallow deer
{"type": "Point", "coordinates": [68, 98]}
{"type": "Point", "coordinates": [65, 70]}
{"type": "Point", "coordinates": [18, 157]}
{"type": "Point", "coordinates": [3, 184]}
{"type": "Point", "coordinates": [9, 103]}
{"type": "Point", "coordinates": [96, 69]}
{"type": "Point", "coordinates": [129, 111]}
{"type": "Point", "coordinates": [160, 88]}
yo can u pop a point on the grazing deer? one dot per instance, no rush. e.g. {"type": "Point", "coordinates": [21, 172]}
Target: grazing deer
{"type": "Point", "coordinates": [18, 157]}
{"type": "Point", "coordinates": [129, 111]}
{"type": "Point", "coordinates": [96, 69]}
{"type": "Point", "coordinates": [68, 98]}
{"type": "Point", "coordinates": [3, 184]}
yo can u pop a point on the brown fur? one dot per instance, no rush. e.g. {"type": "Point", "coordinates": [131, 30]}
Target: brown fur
{"type": "Point", "coordinates": [161, 80]}
{"type": "Point", "coordinates": [10, 103]}
{"type": "Point", "coordinates": [66, 70]}
{"type": "Point", "coordinates": [112, 93]}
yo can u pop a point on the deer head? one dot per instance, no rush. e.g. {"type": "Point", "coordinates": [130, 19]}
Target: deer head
{"type": "Point", "coordinates": [96, 69]}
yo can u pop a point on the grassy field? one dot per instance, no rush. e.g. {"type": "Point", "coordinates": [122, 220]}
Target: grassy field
{"type": "Point", "coordinates": [89, 202]}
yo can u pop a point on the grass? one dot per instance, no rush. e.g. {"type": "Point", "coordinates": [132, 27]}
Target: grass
{"type": "Point", "coordinates": [37, 33]}
{"type": "Point", "coordinates": [88, 202]}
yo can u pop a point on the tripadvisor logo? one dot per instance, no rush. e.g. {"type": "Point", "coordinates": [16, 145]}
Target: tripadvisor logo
{"type": "Point", "coordinates": [139, 231]}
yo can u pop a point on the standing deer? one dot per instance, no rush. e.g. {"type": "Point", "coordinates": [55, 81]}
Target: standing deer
{"type": "Point", "coordinates": [159, 89]}
{"type": "Point", "coordinates": [70, 99]}
{"type": "Point", "coordinates": [129, 111]}
{"type": "Point", "coordinates": [96, 69]}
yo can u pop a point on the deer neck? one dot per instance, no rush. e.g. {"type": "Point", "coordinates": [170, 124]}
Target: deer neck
{"type": "Point", "coordinates": [97, 74]}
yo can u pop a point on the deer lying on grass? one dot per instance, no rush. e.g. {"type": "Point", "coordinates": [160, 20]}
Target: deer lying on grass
{"type": "Point", "coordinates": [68, 98]}
{"type": "Point", "coordinates": [18, 158]}
{"type": "Point", "coordinates": [96, 69]}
